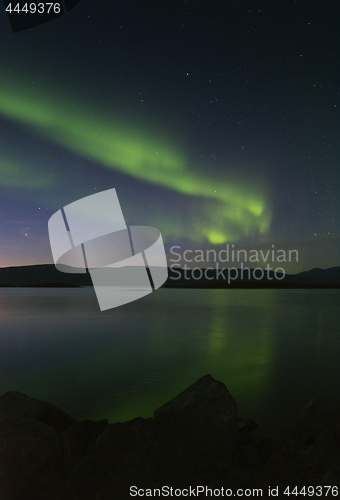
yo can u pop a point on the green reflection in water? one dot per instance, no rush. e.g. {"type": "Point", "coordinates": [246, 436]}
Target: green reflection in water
{"type": "Point", "coordinates": [240, 344]}
{"type": "Point", "coordinates": [228, 334]}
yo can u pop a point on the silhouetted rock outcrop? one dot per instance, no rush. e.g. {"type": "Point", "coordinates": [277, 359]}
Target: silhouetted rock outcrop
{"type": "Point", "coordinates": [316, 437]}
{"type": "Point", "coordinates": [203, 418]}
{"type": "Point", "coordinates": [31, 459]}
{"type": "Point", "coordinates": [193, 440]}
{"type": "Point", "coordinates": [20, 405]}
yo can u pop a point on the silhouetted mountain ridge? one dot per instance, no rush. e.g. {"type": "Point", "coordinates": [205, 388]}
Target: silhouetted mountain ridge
{"type": "Point", "coordinates": [48, 275]}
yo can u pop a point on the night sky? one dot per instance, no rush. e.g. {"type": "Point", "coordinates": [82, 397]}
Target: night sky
{"type": "Point", "coordinates": [216, 121]}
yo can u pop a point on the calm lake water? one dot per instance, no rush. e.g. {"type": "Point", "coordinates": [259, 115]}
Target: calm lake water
{"type": "Point", "coordinates": [274, 349]}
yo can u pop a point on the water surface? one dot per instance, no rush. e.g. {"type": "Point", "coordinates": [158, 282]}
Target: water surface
{"type": "Point", "coordinates": [274, 349]}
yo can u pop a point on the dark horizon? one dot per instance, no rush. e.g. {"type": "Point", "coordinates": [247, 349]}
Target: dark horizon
{"type": "Point", "coordinates": [46, 275]}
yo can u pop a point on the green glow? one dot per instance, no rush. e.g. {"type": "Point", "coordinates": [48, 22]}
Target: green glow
{"type": "Point", "coordinates": [230, 210]}
{"type": "Point", "coordinates": [15, 174]}
{"type": "Point", "coordinates": [256, 208]}
{"type": "Point", "coordinates": [217, 238]}
{"type": "Point", "coordinates": [237, 349]}
{"type": "Point", "coordinates": [244, 360]}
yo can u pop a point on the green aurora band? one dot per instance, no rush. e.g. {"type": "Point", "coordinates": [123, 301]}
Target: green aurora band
{"type": "Point", "coordinates": [230, 212]}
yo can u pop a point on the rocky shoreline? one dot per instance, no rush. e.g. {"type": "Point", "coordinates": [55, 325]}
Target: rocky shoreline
{"type": "Point", "coordinates": [194, 440]}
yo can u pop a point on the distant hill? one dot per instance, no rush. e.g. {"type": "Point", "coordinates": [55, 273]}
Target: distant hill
{"type": "Point", "coordinates": [314, 278]}
{"type": "Point", "coordinates": [39, 275]}
{"type": "Point", "coordinates": [48, 275]}
{"type": "Point", "coordinates": [318, 275]}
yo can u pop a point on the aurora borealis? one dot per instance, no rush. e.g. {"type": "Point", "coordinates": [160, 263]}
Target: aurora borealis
{"type": "Point", "coordinates": [141, 156]}
{"type": "Point", "coordinates": [216, 124]}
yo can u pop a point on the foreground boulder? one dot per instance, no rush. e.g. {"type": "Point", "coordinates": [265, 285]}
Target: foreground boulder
{"type": "Point", "coordinates": [186, 439]}
{"type": "Point", "coordinates": [316, 437]}
{"type": "Point", "coordinates": [124, 453]}
{"type": "Point", "coordinates": [79, 439]}
{"type": "Point", "coordinates": [194, 439]}
{"type": "Point", "coordinates": [17, 403]}
{"type": "Point", "coordinates": [203, 418]}
{"type": "Point", "coordinates": [30, 460]}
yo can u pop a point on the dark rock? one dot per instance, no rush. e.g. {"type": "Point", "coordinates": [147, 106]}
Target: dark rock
{"type": "Point", "coordinates": [316, 436]}
{"type": "Point", "coordinates": [188, 439]}
{"type": "Point", "coordinates": [318, 416]}
{"type": "Point", "coordinates": [330, 477]}
{"type": "Point", "coordinates": [30, 460]}
{"type": "Point", "coordinates": [125, 453]}
{"type": "Point", "coordinates": [194, 439]}
{"type": "Point", "coordinates": [250, 455]}
{"type": "Point", "coordinates": [79, 440]}
{"type": "Point", "coordinates": [246, 425]}
{"type": "Point", "coordinates": [269, 447]}
{"type": "Point", "coordinates": [20, 405]}
{"type": "Point", "coordinates": [204, 416]}
{"type": "Point", "coordinates": [283, 469]}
